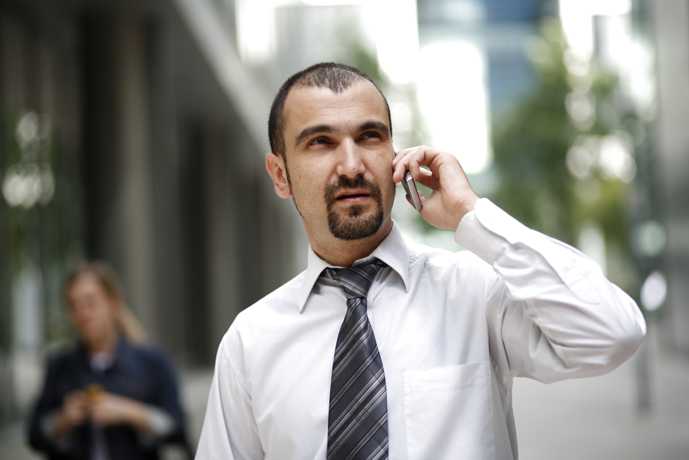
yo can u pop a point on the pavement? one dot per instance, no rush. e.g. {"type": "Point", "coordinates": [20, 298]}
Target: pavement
{"type": "Point", "coordinates": [599, 418]}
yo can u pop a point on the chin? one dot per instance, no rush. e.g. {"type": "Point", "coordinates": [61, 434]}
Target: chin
{"type": "Point", "coordinates": [355, 226]}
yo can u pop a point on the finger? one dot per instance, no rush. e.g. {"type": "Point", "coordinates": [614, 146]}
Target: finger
{"type": "Point", "coordinates": [401, 162]}
{"type": "Point", "coordinates": [75, 396]}
{"type": "Point", "coordinates": [398, 168]}
{"type": "Point", "coordinates": [422, 198]}
{"type": "Point", "coordinates": [403, 153]}
{"type": "Point", "coordinates": [426, 156]}
{"type": "Point", "coordinates": [420, 156]}
{"type": "Point", "coordinates": [398, 173]}
{"type": "Point", "coordinates": [98, 415]}
{"type": "Point", "coordinates": [78, 417]}
{"type": "Point", "coordinates": [427, 179]}
{"type": "Point", "coordinates": [415, 168]}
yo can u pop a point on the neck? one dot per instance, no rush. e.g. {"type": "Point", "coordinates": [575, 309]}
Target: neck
{"type": "Point", "coordinates": [343, 253]}
{"type": "Point", "coordinates": [104, 344]}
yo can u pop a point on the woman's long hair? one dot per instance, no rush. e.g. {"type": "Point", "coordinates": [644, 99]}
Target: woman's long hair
{"type": "Point", "coordinates": [127, 323]}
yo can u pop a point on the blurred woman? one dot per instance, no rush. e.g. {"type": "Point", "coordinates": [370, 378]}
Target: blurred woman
{"type": "Point", "coordinates": [109, 396]}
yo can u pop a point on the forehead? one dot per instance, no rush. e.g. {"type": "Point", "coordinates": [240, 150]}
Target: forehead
{"type": "Point", "coordinates": [313, 106]}
{"type": "Point", "coordinates": [84, 283]}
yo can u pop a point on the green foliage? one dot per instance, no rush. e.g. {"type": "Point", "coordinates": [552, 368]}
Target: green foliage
{"type": "Point", "coordinates": [44, 233]}
{"type": "Point", "coordinates": [531, 143]}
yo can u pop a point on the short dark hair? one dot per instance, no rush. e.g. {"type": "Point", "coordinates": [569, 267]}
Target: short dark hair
{"type": "Point", "coordinates": [336, 77]}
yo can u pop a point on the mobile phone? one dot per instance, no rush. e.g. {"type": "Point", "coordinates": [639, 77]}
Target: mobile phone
{"type": "Point", "coordinates": [410, 187]}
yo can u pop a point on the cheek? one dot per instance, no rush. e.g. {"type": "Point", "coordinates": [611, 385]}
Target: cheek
{"type": "Point", "coordinates": [384, 179]}
{"type": "Point", "coordinates": [389, 193]}
{"type": "Point", "coordinates": [387, 188]}
{"type": "Point", "coordinates": [78, 313]}
{"type": "Point", "coordinates": [310, 180]}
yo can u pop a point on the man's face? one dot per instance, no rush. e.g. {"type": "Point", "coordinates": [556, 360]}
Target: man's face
{"type": "Point", "coordinates": [338, 153]}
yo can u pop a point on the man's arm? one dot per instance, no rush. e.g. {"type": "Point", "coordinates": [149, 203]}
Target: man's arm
{"type": "Point", "coordinates": [553, 313]}
{"type": "Point", "coordinates": [229, 429]}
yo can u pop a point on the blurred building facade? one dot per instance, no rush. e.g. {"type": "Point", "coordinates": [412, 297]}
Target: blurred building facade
{"type": "Point", "coordinates": [669, 186]}
{"type": "Point", "coordinates": [132, 132]}
{"type": "Point", "coordinates": [499, 28]}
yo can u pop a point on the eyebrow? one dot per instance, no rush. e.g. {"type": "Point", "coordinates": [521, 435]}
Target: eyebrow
{"type": "Point", "coordinates": [324, 129]}
{"type": "Point", "coordinates": [376, 125]}
{"type": "Point", "coordinates": [311, 131]}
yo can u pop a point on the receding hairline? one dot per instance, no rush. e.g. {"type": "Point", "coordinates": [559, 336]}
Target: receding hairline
{"type": "Point", "coordinates": [336, 77]}
{"type": "Point", "coordinates": [317, 79]}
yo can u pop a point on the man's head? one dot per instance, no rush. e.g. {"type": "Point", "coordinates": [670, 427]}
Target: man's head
{"type": "Point", "coordinates": [331, 124]}
{"type": "Point", "coordinates": [336, 77]}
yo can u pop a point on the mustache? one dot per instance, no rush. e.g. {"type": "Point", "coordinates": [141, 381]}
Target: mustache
{"type": "Point", "coordinates": [343, 183]}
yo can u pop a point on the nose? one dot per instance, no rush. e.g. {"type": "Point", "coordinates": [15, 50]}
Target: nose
{"type": "Point", "coordinates": [80, 311]}
{"type": "Point", "coordinates": [350, 160]}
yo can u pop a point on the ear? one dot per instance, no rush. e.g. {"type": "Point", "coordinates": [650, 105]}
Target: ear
{"type": "Point", "coordinates": [275, 165]}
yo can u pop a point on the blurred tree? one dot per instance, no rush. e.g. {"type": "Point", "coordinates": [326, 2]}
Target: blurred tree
{"type": "Point", "coordinates": [562, 157]}
{"type": "Point", "coordinates": [40, 218]}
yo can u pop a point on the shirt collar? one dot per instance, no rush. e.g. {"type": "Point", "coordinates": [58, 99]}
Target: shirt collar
{"type": "Point", "coordinates": [392, 250]}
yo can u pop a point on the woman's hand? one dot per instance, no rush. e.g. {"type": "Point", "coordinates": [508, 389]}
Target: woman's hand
{"type": "Point", "coordinates": [74, 412]}
{"type": "Point", "coordinates": [111, 409]}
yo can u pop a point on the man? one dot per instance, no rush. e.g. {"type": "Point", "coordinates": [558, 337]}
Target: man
{"type": "Point", "coordinates": [411, 353]}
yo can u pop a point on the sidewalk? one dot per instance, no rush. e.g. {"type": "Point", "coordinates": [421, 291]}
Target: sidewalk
{"type": "Point", "coordinates": [597, 418]}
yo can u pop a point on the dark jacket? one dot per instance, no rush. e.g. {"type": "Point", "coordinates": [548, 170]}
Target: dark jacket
{"type": "Point", "coordinates": [141, 373]}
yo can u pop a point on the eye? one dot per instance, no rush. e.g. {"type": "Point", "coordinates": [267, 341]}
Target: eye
{"type": "Point", "coordinates": [319, 141]}
{"type": "Point", "coordinates": [370, 135]}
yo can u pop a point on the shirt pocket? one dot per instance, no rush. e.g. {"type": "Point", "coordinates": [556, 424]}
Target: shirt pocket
{"type": "Point", "coordinates": [449, 413]}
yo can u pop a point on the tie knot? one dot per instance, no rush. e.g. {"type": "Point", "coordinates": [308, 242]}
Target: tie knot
{"type": "Point", "coordinates": [356, 280]}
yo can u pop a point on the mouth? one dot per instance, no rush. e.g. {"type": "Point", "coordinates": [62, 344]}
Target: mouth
{"type": "Point", "coordinates": [347, 196]}
{"type": "Point", "coordinates": [353, 194]}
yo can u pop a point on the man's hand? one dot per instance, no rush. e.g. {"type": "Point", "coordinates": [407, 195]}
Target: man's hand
{"type": "Point", "coordinates": [74, 412]}
{"type": "Point", "coordinates": [451, 197]}
{"type": "Point", "coordinates": [111, 409]}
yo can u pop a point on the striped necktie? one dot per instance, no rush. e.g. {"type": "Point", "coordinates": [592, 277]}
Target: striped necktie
{"type": "Point", "coordinates": [358, 419]}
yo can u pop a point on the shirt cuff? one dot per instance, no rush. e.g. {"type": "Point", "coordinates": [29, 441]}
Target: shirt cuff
{"type": "Point", "coordinates": [485, 230]}
{"type": "Point", "coordinates": [48, 429]}
{"type": "Point", "coordinates": [160, 423]}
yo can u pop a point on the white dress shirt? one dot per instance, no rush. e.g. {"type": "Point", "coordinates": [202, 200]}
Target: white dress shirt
{"type": "Point", "coordinates": [453, 330]}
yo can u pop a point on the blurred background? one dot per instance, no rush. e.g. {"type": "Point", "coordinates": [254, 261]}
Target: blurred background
{"type": "Point", "coordinates": [135, 131]}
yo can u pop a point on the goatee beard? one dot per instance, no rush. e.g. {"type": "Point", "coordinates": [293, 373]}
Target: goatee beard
{"type": "Point", "coordinates": [353, 225]}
